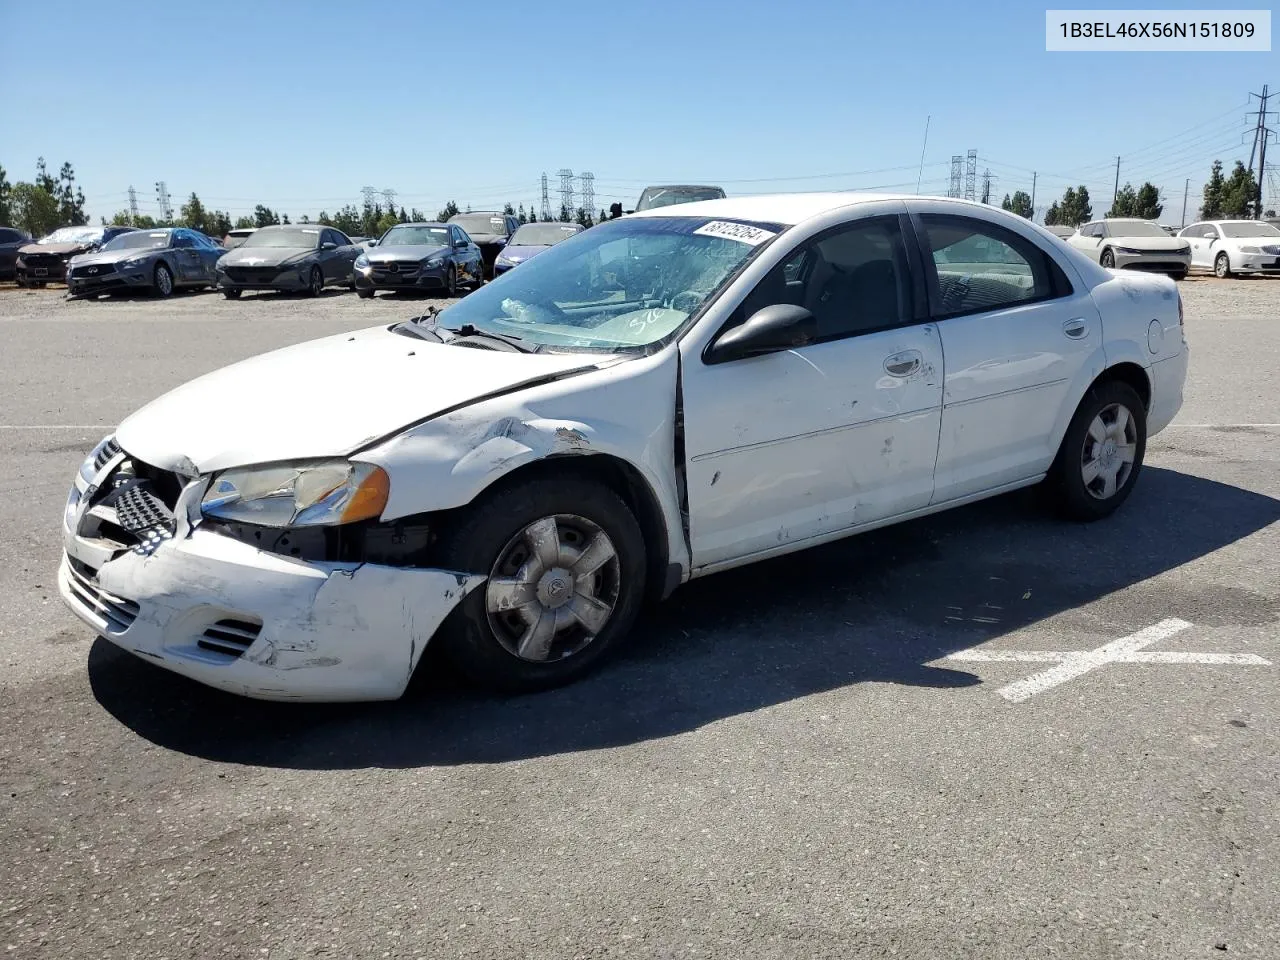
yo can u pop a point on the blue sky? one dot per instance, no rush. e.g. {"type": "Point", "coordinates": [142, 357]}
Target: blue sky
{"type": "Point", "coordinates": [299, 105]}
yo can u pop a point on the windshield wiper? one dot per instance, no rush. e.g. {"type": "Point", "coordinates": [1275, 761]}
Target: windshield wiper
{"type": "Point", "coordinates": [468, 330]}
{"type": "Point", "coordinates": [418, 325]}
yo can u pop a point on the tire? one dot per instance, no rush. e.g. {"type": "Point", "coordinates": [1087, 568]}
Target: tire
{"type": "Point", "coordinates": [1222, 266]}
{"type": "Point", "coordinates": [162, 281]}
{"type": "Point", "coordinates": [231, 293]}
{"type": "Point", "coordinates": [485, 635]}
{"type": "Point", "coordinates": [1179, 275]}
{"type": "Point", "coordinates": [364, 294]}
{"type": "Point", "coordinates": [1108, 259]}
{"type": "Point", "coordinates": [315, 282]}
{"type": "Point", "coordinates": [451, 282]}
{"type": "Point", "coordinates": [1095, 425]}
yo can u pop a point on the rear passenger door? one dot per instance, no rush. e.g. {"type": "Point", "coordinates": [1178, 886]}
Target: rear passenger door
{"type": "Point", "coordinates": [1020, 344]}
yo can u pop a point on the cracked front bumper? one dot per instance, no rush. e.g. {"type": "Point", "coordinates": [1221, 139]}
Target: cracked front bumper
{"type": "Point", "coordinates": [310, 631]}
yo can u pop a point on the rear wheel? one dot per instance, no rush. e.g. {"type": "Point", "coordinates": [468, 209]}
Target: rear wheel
{"type": "Point", "coordinates": [565, 560]}
{"type": "Point", "coordinates": [231, 293]}
{"type": "Point", "coordinates": [1222, 266]}
{"type": "Point", "coordinates": [162, 282]}
{"type": "Point", "coordinates": [1102, 452]}
{"type": "Point", "coordinates": [1108, 259]}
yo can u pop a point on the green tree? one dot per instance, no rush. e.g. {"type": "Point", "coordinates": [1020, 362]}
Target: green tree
{"type": "Point", "coordinates": [324, 220]}
{"type": "Point", "coordinates": [521, 215]}
{"type": "Point", "coordinates": [1019, 203]}
{"type": "Point", "coordinates": [284, 218]}
{"type": "Point", "coordinates": [1147, 203]}
{"type": "Point", "coordinates": [1213, 189]}
{"type": "Point", "coordinates": [122, 218]}
{"type": "Point", "coordinates": [450, 210]}
{"type": "Point", "coordinates": [582, 218]}
{"type": "Point", "coordinates": [245, 223]}
{"type": "Point", "coordinates": [1074, 208]}
{"type": "Point", "coordinates": [417, 216]}
{"type": "Point", "coordinates": [6, 193]}
{"type": "Point", "coordinates": [219, 224]}
{"type": "Point", "coordinates": [1053, 216]}
{"type": "Point", "coordinates": [1239, 193]}
{"type": "Point", "coordinates": [264, 217]}
{"type": "Point", "coordinates": [349, 221]}
{"type": "Point", "coordinates": [385, 223]}
{"type": "Point", "coordinates": [604, 215]}
{"type": "Point", "coordinates": [369, 224]}
{"type": "Point", "coordinates": [194, 215]}
{"type": "Point", "coordinates": [508, 209]}
{"type": "Point", "coordinates": [565, 215]}
{"type": "Point", "coordinates": [70, 198]}
{"type": "Point", "coordinates": [43, 180]}
{"type": "Point", "coordinates": [1125, 202]}
{"type": "Point", "coordinates": [35, 209]}
{"type": "Point", "coordinates": [403, 216]}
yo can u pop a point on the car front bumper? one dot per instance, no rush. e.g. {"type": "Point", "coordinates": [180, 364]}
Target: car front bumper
{"type": "Point", "coordinates": [1257, 263]}
{"type": "Point", "coordinates": [1155, 262]}
{"type": "Point", "coordinates": [290, 279]}
{"type": "Point", "coordinates": [231, 616]}
{"type": "Point", "coordinates": [44, 270]}
{"type": "Point", "coordinates": [423, 278]}
{"type": "Point", "coordinates": [134, 279]}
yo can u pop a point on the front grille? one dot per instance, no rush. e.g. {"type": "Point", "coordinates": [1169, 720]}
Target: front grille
{"type": "Point", "coordinates": [109, 450]}
{"type": "Point", "coordinates": [230, 637]}
{"type": "Point", "coordinates": [117, 612]}
{"type": "Point", "coordinates": [92, 271]}
{"type": "Point", "coordinates": [133, 507]}
{"type": "Point", "coordinates": [50, 260]}
{"type": "Point", "coordinates": [396, 266]}
{"type": "Point", "coordinates": [253, 274]}
{"type": "Point", "coordinates": [1271, 249]}
{"type": "Point", "coordinates": [139, 510]}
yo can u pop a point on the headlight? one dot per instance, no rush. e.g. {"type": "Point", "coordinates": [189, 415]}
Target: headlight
{"type": "Point", "coordinates": [1129, 250]}
{"type": "Point", "coordinates": [298, 494]}
{"type": "Point", "coordinates": [1250, 250]}
{"type": "Point", "coordinates": [362, 262]}
{"type": "Point", "coordinates": [132, 263]}
{"type": "Point", "coordinates": [432, 262]}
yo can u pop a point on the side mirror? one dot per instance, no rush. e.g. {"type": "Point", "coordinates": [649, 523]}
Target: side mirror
{"type": "Point", "coordinates": [328, 245]}
{"type": "Point", "coordinates": [779, 326]}
{"type": "Point", "coordinates": [372, 243]}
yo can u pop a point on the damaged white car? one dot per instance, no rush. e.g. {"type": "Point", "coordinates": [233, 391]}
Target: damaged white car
{"type": "Point", "coordinates": [660, 397]}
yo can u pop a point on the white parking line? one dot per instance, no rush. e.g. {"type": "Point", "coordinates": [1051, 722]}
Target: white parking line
{"type": "Point", "coordinates": [56, 426]}
{"type": "Point", "coordinates": [1075, 664]}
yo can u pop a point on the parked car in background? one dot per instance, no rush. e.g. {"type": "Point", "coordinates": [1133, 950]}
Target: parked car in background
{"type": "Point", "coordinates": [237, 236]}
{"type": "Point", "coordinates": [45, 261]}
{"type": "Point", "coordinates": [662, 397]}
{"type": "Point", "coordinates": [1133, 244]}
{"type": "Point", "coordinates": [1061, 232]}
{"type": "Point", "coordinates": [10, 240]}
{"type": "Point", "coordinates": [295, 257]}
{"type": "Point", "coordinates": [529, 240]}
{"type": "Point", "coordinates": [1234, 246]}
{"type": "Point", "coordinates": [670, 194]}
{"type": "Point", "coordinates": [420, 256]}
{"type": "Point", "coordinates": [490, 231]}
{"type": "Point", "coordinates": [155, 261]}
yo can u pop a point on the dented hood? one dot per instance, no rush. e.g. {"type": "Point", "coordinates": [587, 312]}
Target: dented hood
{"type": "Point", "coordinates": [324, 398]}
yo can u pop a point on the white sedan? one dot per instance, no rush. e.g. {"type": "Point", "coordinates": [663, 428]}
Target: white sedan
{"type": "Point", "coordinates": [1133, 244]}
{"type": "Point", "coordinates": [658, 398]}
{"type": "Point", "coordinates": [1234, 246]}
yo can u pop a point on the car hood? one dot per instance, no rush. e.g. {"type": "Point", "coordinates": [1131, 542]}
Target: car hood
{"type": "Point", "coordinates": [523, 252]}
{"type": "Point", "coordinates": [367, 385]}
{"type": "Point", "coordinates": [264, 256]}
{"type": "Point", "coordinates": [481, 239]}
{"type": "Point", "coordinates": [1151, 244]}
{"type": "Point", "coordinates": [419, 251]}
{"type": "Point", "coordinates": [60, 249]}
{"type": "Point", "coordinates": [115, 256]}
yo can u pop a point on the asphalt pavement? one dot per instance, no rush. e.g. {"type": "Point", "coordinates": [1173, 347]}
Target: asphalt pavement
{"type": "Point", "coordinates": [921, 742]}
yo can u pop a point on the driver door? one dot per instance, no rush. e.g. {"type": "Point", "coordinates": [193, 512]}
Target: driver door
{"type": "Point", "coordinates": [807, 442]}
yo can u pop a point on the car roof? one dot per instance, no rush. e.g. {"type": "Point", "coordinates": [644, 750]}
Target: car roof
{"type": "Point", "coordinates": [1125, 220]}
{"type": "Point", "coordinates": [789, 208]}
{"type": "Point", "coordinates": [420, 223]}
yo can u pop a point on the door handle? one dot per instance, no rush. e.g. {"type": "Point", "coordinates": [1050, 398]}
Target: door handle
{"type": "Point", "coordinates": [1076, 328]}
{"type": "Point", "coordinates": [903, 364]}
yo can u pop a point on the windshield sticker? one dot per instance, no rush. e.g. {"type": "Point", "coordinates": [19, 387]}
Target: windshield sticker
{"type": "Point", "coordinates": [158, 236]}
{"type": "Point", "coordinates": [310, 231]}
{"type": "Point", "coordinates": [752, 236]}
{"type": "Point", "coordinates": [568, 230]}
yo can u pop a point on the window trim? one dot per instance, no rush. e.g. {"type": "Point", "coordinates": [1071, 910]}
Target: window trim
{"type": "Point", "coordinates": [917, 308]}
{"type": "Point", "coordinates": [1060, 284]}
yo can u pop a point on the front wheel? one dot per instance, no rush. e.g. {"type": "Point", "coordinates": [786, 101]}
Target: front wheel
{"type": "Point", "coordinates": [364, 294]}
{"type": "Point", "coordinates": [315, 283]}
{"type": "Point", "coordinates": [1102, 452]}
{"type": "Point", "coordinates": [1179, 275]}
{"type": "Point", "coordinates": [1222, 266]}
{"type": "Point", "coordinates": [451, 281]}
{"type": "Point", "coordinates": [1108, 259]}
{"type": "Point", "coordinates": [231, 293]}
{"type": "Point", "coordinates": [565, 560]}
{"type": "Point", "coordinates": [163, 281]}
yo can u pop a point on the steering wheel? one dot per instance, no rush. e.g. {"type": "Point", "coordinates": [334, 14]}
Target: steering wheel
{"type": "Point", "coordinates": [690, 297]}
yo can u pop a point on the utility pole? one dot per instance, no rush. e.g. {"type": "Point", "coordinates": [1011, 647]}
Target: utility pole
{"type": "Point", "coordinates": [986, 185]}
{"type": "Point", "coordinates": [133, 206]}
{"type": "Point", "coordinates": [1186, 188]}
{"type": "Point", "coordinates": [923, 147]}
{"type": "Point", "coordinates": [1116, 192]}
{"type": "Point", "coordinates": [1033, 196]}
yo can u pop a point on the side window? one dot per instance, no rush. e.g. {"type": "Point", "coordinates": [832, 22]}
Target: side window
{"type": "Point", "coordinates": [182, 240]}
{"type": "Point", "coordinates": [456, 236]}
{"type": "Point", "coordinates": [8, 236]}
{"type": "Point", "coordinates": [982, 266]}
{"type": "Point", "coordinates": [340, 238]}
{"type": "Point", "coordinates": [853, 280]}
{"type": "Point", "coordinates": [1210, 232]}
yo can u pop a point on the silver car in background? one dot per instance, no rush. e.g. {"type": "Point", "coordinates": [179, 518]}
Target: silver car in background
{"type": "Point", "coordinates": [145, 261]}
{"type": "Point", "coordinates": [1133, 244]}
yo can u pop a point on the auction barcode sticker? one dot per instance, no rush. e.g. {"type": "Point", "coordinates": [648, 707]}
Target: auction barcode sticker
{"type": "Point", "coordinates": [742, 232]}
{"type": "Point", "coordinates": [1174, 30]}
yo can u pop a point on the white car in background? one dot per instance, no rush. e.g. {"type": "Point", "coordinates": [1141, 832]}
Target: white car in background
{"type": "Point", "coordinates": [658, 398]}
{"type": "Point", "coordinates": [1234, 246]}
{"type": "Point", "coordinates": [1133, 244]}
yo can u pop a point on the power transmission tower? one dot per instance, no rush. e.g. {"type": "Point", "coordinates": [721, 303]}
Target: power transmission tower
{"type": "Point", "coordinates": [588, 192]}
{"type": "Point", "coordinates": [957, 166]}
{"type": "Point", "coordinates": [986, 185]}
{"type": "Point", "coordinates": [566, 188]}
{"type": "Point", "coordinates": [546, 198]}
{"type": "Point", "coordinates": [162, 195]}
{"type": "Point", "coordinates": [971, 176]}
{"type": "Point", "coordinates": [370, 193]}
{"type": "Point", "coordinates": [1261, 134]}
{"type": "Point", "coordinates": [133, 206]}
{"type": "Point", "coordinates": [389, 199]}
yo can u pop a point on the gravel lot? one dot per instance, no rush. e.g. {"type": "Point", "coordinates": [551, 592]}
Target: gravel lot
{"type": "Point", "coordinates": [784, 764]}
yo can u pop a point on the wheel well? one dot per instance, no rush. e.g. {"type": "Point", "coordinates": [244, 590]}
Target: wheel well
{"type": "Point", "coordinates": [1131, 374]}
{"type": "Point", "coordinates": [628, 483]}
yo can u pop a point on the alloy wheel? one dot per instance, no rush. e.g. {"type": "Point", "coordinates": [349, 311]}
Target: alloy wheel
{"type": "Point", "coordinates": [1110, 448]}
